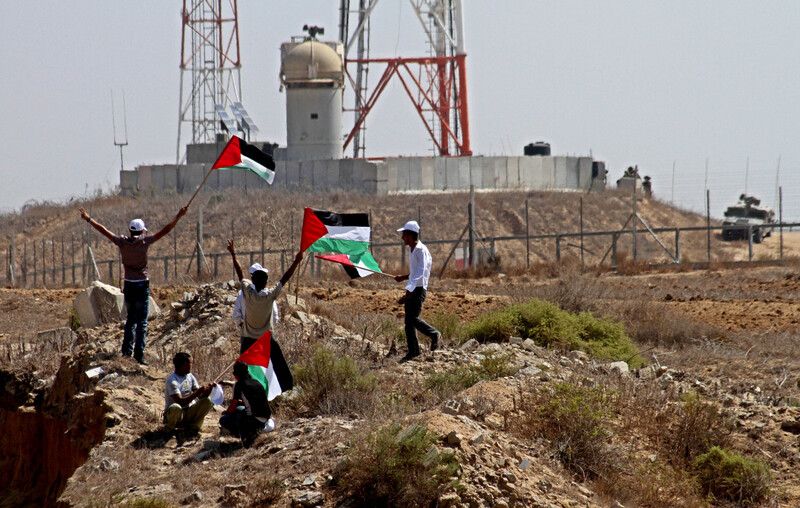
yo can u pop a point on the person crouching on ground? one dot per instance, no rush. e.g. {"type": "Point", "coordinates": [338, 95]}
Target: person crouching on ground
{"type": "Point", "coordinates": [249, 412]}
{"type": "Point", "coordinates": [186, 402]}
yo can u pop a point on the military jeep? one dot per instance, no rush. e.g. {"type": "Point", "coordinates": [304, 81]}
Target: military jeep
{"type": "Point", "coordinates": [747, 215]}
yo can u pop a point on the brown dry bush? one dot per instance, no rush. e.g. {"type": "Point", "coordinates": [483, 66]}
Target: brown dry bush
{"type": "Point", "coordinates": [576, 420]}
{"type": "Point", "coordinates": [690, 428]}
{"type": "Point", "coordinates": [649, 322]}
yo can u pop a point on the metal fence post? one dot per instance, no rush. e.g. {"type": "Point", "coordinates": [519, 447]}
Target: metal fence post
{"type": "Point", "coordinates": [558, 247]}
{"type": "Point", "coordinates": [678, 244]}
{"type": "Point", "coordinates": [527, 238]}
{"type": "Point", "coordinates": [749, 242]}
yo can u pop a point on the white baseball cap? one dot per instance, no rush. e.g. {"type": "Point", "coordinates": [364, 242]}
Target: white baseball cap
{"type": "Point", "coordinates": [410, 226]}
{"type": "Point", "coordinates": [138, 225]}
{"type": "Point", "coordinates": [257, 268]}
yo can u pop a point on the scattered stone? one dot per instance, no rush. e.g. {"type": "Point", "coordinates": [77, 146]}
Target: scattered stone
{"type": "Point", "coordinates": [451, 407]}
{"type": "Point", "coordinates": [309, 481]}
{"type": "Point", "coordinates": [529, 371]}
{"type": "Point", "coordinates": [449, 500]}
{"type": "Point", "coordinates": [227, 490]}
{"type": "Point", "coordinates": [619, 367]}
{"type": "Point", "coordinates": [454, 438]}
{"type": "Point", "coordinates": [525, 464]}
{"type": "Point", "coordinates": [194, 497]}
{"type": "Point", "coordinates": [792, 427]}
{"type": "Point", "coordinates": [109, 465]}
{"type": "Point", "coordinates": [470, 345]}
{"type": "Point", "coordinates": [477, 439]}
{"type": "Point", "coordinates": [308, 500]}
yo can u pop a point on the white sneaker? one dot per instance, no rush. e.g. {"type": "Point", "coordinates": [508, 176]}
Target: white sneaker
{"type": "Point", "coordinates": [269, 426]}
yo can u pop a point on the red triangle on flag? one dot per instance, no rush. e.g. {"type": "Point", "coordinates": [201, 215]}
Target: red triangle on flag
{"type": "Point", "coordinates": [313, 229]}
{"type": "Point", "coordinates": [259, 352]}
{"type": "Point", "coordinates": [230, 156]}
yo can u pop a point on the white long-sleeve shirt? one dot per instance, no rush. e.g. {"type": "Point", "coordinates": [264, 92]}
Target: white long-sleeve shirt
{"type": "Point", "coordinates": [419, 267]}
{"type": "Point", "coordinates": [238, 310]}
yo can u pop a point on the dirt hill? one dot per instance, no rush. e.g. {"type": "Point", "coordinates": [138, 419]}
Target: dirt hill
{"type": "Point", "coordinates": [719, 352]}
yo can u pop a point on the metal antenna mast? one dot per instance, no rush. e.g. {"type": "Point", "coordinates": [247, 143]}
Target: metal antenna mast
{"type": "Point", "coordinates": [436, 84]}
{"type": "Point", "coordinates": [210, 67]}
{"type": "Point", "coordinates": [125, 121]}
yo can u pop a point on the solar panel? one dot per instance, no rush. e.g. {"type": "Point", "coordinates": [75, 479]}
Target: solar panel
{"type": "Point", "coordinates": [227, 123]}
{"type": "Point", "coordinates": [247, 123]}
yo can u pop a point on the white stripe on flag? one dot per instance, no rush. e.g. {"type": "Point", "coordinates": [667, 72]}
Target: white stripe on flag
{"type": "Point", "coordinates": [356, 234]}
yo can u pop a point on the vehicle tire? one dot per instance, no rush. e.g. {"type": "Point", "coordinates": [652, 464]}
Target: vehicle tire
{"type": "Point", "coordinates": [757, 236]}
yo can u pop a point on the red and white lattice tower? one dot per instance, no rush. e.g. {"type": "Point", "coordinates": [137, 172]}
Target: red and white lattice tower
{"type": "Point", "coordinates": [436, 84]}
{"type": "Point", "coordinates": [210, 67]}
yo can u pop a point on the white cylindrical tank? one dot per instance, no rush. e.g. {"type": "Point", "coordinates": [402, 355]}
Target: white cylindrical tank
{"type": "Point", "coordinates": [313, 74]}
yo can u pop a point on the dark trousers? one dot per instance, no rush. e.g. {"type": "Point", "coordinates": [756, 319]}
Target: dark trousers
{"type": "Point", "coordinates": [240, 424]}
{"type": "Point", "coordinates": [137, 300]}
{"type": "Point", "coordinates": [413, 307]}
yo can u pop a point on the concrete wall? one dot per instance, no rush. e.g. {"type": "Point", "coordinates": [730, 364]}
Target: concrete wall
{"type": "Point", "coordinates": [398, 174]}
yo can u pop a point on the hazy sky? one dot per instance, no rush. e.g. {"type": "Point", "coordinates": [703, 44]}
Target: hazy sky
{"type": "Point", "coordinates": [632, 82]}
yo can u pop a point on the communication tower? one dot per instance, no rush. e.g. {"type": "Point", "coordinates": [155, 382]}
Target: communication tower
{"type": "Point", "coordinates": [210, 67]}
{"type": "Point", "coordinates": [436, 83]}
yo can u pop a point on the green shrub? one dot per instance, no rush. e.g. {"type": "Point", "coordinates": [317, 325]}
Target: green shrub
{"type": "Point", "coordinates": [448, 325]}
{"type": "Point", "coordinates": [576, 420]}
{"type": "Point", "coordinates": [74, 321]}
{"type": "Point", "coordinates": [550, 326]}
{"type": "Point", "coordinates": [453, 380]}
{"type": "Point", "coordinates": [729, 476]}
{"type": "Point", "coordinates": [396, 467]}
{"type": "Point", "coordinates": [335, 384]}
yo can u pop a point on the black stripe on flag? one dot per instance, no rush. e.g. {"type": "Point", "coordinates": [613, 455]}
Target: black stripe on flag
{"type": "Point", "coordinates": [342, 219]}
{"type": "Point", "coordinates": [256, 155]}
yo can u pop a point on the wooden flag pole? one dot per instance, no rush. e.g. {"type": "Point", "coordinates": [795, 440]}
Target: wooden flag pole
{"type": "Point", "coordinates": [229, 367]}
{"type": "Point", "coordinates": [201, 186]}
{"type": "Point", "coordinates": [359, 267]}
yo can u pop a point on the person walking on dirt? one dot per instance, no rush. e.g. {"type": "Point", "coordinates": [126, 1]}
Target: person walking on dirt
{"type": "Point", "coordinates": [133, 251]}
{"type": "Point", "coordinates": [186, 403]}
{"type": "Point", "coordinates": [248, 414]}
{"type": "Point", "coordinates": [419, 264]}
{"type": "Point", "coordinates": [258, 299]}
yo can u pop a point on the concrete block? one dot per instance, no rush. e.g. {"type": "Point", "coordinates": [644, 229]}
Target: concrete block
{"type": "Point", "coordinates": [101, 303]}
{"type": "Point", "coordinates": [319, 175]}
{"type": "Point", "coordinates": [527, 166]}
{"type": "Point", "coordinates": [346, 173]}
{"type": "Point", "coordinates": [358, 174]}
{"type": "Point", "coordinates": [452, 178]}
{"type": "Point", "coordinates": [475, 172]}
{"type": "Point", "coordinates": [512, 173]}
{"type": "Point", "coordinates": [404, 166]}
{"type": "Point", "coordinates": [170, 176]}
{"type": "Point", "coordinates": [306, 178]}
{"type": "Point", "coordinates": [157, 177]}
{"type": "Point", "coordinates": [584, 172]}
{"type": "Point", "coordinates": [292, 174]}
{"type": "Point", "coordinates": [498, 165]}
{"type": "Point", "coordinates": [190, 176]}
{"type": "Point", "coordinates": [489, 174]}
{"type": "Point", "coordinates": [225, 178]}
{"type": "Point", "coordinates": [560, 172]}
{"type": "Point", "coordinates": [370, 181]}
{"type": "Point", "coordinates": [85, 309]}
{"type": "Point", "coordinates": [391, 174]}
{"type": "Point", "coordinates": [539, 177]}
{"type": "Point", "coordinates": [439, 174]}
{"type": "Point", "coordinates": [426, 173]}
{"type": "Point", "coordinates": [332, 174]}
{"type": "Point", "coordinates": [549, 172]}
{"type": "Point", "coordinates": [128, 182]}
{"type": "Point", "coordinates": [239, 178]}
{"type": "Point", "coordinates": [381, 178]}
{"type": "Point", "coordinates": [145, 178]}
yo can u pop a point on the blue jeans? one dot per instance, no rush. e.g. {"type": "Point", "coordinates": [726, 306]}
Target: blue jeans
{"type": "Point", "coordinates": [137, 300]}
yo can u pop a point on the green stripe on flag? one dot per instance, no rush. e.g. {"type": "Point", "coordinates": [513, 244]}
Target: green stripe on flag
{"type": "Point", "coordinates": [259, 374]}
{"type": "Point", "coordinates": [339, 246]}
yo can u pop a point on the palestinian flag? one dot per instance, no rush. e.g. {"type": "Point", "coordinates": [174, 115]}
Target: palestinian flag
{"type": "Point", "coordinates": [266, 363]}
{"type": "Point", "coordinates": [341, 233]}
{"type": "Point", "coordinates": [355, 265]}
{"type": "Point", "coordinates": [238, 154]}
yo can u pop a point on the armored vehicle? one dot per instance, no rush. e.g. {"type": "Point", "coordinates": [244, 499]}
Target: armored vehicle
{"type": "Point", "coordinates": [748, 215]}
